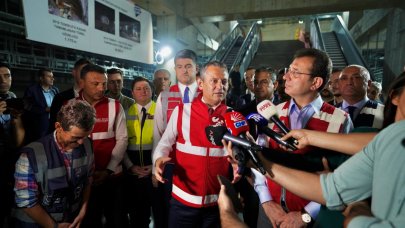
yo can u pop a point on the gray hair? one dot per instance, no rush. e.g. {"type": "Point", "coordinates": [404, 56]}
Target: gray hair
{"type": "Point", "coordinates": [213, 63]}
{"type": "Point", "coordinates": [77, 113]}
{"type": "Point", "coordinates": [363, 71]}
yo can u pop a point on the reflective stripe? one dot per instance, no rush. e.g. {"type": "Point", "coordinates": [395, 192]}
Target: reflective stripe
{"type": "Point", "coordinates": [138, 147]}
{"type": "Point", "coordinates": [132, 117]}
{"type": "Point", "coordinates": [198, 200]}
{"type": "Point", "coordinates": [200, 151]}
{"type": "Point", "coordinates": [103, 135]}
{"type": "Point", "coordinates": [185, 128]}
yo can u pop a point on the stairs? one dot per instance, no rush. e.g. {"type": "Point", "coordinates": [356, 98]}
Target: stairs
{"type": "Point", "coordinates": [231, 57]}
{"type": "Point", "coordinates": [276, 54]}
{"type": "Point", "coordinates": [333, 49]}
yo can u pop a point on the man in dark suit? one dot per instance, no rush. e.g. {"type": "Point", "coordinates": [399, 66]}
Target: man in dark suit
{"type": "Point", "coordinates": [36, 117]}
{"type": "Point", "coordinates": [66, 95]}
{"type": "Point", "coordinates": [249, 95]}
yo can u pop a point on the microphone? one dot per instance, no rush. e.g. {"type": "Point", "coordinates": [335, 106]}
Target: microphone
{"type": "Point", "coordinates": [238, 126]}
{"type": "Point", "coordinates": [215, 134]}
{"type": "Point", "coordinates": [262, 123]}
{"type": "Point", "coordinates": [240, 155]}
{"type": "Point", "coordinates": [269, 112]}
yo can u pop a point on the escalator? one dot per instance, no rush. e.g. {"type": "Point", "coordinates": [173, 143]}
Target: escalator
{"type": "Point", "coordinates": [335, 39]}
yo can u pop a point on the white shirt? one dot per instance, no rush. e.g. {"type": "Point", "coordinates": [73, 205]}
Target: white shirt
{"type": "Point", "coordinates": [158, 120]}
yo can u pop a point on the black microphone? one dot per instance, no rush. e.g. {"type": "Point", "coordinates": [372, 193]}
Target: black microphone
{"type": "Point", "coordinates": [215, 134]}
{"type": "Point", "coordinates": [237, 125]}
{"type": "Point", "coordinates": [269, 112]}
{"type": "Point", "coordinates": [262, 123]}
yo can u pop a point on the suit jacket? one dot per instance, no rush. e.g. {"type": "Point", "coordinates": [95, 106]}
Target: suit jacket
{"type": "Point", "coordinates": [58, 101]}
{"type": "Point", "coordinates": [36, 118]}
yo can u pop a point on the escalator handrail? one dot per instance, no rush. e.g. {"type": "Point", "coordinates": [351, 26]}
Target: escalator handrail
{"type": "Point", "coordinates": [246, 48]}
{"type": "Point", "coordinates": [228, 43]}
{"type": "Point", "coordinates": [319, 34]}
{"type": "Point", "coordinates": [339, 21]}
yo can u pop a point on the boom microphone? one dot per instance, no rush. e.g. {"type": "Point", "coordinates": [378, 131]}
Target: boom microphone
{"type": "Point", "coordinates": [261, 124]}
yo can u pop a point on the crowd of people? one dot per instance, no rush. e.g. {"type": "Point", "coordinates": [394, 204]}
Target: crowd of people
{"type": "Point", "coordinates": [101, 155]}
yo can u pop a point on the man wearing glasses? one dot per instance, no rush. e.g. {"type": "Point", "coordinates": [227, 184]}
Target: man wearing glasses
{"type": "Point", "coordinates": [306, 77]}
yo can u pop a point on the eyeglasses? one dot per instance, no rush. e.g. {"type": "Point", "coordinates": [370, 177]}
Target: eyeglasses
{"type": "Point", "coordinates": [261, 83]}
{"type": "Point", "coordinates": [295, 73]}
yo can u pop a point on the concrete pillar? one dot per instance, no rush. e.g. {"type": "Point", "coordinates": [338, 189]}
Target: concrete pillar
{"type": "Point", "coordinates": [394, 56]}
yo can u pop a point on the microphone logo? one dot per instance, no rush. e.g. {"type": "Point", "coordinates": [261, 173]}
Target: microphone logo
{"type": "Point", "coordinates": [236, 116]}
{"type": "Point", "coordinates": [211, 137]}
{"type": "Point", "coordinates": [216, 121]}
{"type": "Point", "coordinates": [264, 106]}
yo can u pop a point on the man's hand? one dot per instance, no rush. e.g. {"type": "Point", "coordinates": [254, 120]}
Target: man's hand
{"type": "Point", "coordinates": [301, 135]}
{"type": "Point", "coordinates": [356, 209]}
{"type": "Point", "coordinates": [141, 171]}
{"type": "Point", "coordinates": [224, 202]}
{"type": "Point", "coordinates": [292, 220]}
{"type": "Point", "coordinates": [3, 107]}
{"type": "Point", "coordinates": [155, 182]}
{"type": "Point", "coordinates": [160, 166]}
{"type": "Point", "coordinates": [100, 176]}
{"type": "Point", "coordinates": [274, 212]}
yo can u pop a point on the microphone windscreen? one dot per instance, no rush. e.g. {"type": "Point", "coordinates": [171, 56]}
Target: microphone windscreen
{"type": "Point", "coordinates": [258, 119]}
{"type": "Point", "coordinates": [215, 134]}
{"type": "Point", "coordinates": [266, 109]}
{"type": "Point", "coordinates": [217, 120]}
{"type": "Point", "coordinates": [236, 123]}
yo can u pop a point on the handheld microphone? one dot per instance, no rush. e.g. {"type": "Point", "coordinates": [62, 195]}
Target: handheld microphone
{"type": "Point", "coordinates": [215, 134]}
{"type": "Point", "coordinates": [261, 123]}
{"type": "Point", "coordinates": [238, 126]}
{"type": "Point", "coordinates": [269, 112]}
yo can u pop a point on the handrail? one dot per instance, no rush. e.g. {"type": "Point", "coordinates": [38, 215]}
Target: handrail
{"type": "Point", "coordinates": [248, 49]}
{"type": "Point", "coordinates": [346, 40]}
{"type": "Point", "coordinates": [316, 36]}
{"type": "Point", "coordinates": [227, 44]}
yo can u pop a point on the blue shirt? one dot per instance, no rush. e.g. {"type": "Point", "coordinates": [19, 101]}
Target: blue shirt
{"type": "Point", "coordinates": [359, 105]}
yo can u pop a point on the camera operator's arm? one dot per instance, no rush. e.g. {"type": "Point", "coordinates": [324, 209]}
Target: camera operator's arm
{"type": "Point", "coordinates": [345, 143]}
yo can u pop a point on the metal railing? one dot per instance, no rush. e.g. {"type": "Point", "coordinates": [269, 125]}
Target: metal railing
{"type": "Point", "coordinates": [227, 44]}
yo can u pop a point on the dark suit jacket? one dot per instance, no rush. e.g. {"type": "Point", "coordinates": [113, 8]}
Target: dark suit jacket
{"type": "Point", "coordinates": [58, 101]}
{"type": "Point", "coordinates": [36, 118]}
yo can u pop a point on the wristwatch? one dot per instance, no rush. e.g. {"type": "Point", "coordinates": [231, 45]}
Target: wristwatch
{"type": "Point", "coordinates": [306, 217]}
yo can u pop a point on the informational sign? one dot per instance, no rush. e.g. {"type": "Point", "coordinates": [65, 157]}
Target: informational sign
{"type": "Point", "coordinates": [117, 28]}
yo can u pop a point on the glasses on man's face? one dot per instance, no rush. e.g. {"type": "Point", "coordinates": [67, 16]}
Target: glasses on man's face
{"type": "Point", "coordinates": [260, 83]}
{"type": "Point", "coordinates": [214, 81]}
{"type": "Point", "coordinates": [296, 73]}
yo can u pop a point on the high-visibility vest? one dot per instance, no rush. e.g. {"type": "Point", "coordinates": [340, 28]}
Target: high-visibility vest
{"type": "Point", "coordinates": [140, 142]}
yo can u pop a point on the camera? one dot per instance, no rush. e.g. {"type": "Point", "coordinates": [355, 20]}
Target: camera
{"type": "Point", "coordinates": [12, 103]}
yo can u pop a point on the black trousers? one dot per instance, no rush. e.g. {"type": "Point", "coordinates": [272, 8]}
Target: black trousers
{"type": "Point", "coordinates": [138, 200]}
{"type": "Point", "coordinates": [106, 202]}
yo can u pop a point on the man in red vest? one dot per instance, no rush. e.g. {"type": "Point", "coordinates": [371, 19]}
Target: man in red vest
{"type": "Point", "coordinates": [197, 161]}
{"type": "Point", "coordinates": [185, 65]}
{"type": "Point", "coordinates": [110, 142]}
{"type": "Point", "coordinates": [307, 75]}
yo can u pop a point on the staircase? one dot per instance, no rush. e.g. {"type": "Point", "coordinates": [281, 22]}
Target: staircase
{"type": "Point", "coordinates": [232, 54]}
{"type": "Point", "coordinates": [276, 54]}
{"type": "Point", "coordinates": [333, 49]}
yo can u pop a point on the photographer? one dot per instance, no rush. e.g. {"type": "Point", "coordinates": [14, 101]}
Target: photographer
{"type": "Point", "coordinates": [11, 137]}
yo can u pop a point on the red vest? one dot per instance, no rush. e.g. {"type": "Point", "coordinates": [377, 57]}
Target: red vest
{"type": "Point", "coordinates": [103, 134]}
{"type": "Point", "coordinates": [330, 119]}
{"type": "Point", "coordinates": [198, 162]}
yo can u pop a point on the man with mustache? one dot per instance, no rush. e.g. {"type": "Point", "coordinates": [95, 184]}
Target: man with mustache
{"type": "Point", "coordinates": [110, 142]}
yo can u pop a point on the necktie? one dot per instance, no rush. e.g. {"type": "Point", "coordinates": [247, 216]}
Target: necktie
{"type": "Point", "coordinates": [210, 111]}
{"type": "Point", "coordinates": [143, 117]}
{"type": "Point", "coordinates": [351, 110]}
{"type": "Point", "coordinates": [186, 98]}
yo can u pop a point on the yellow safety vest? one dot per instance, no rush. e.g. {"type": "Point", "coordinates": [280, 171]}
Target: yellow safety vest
{"type": "Point", "coordinates": [138, 140]}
